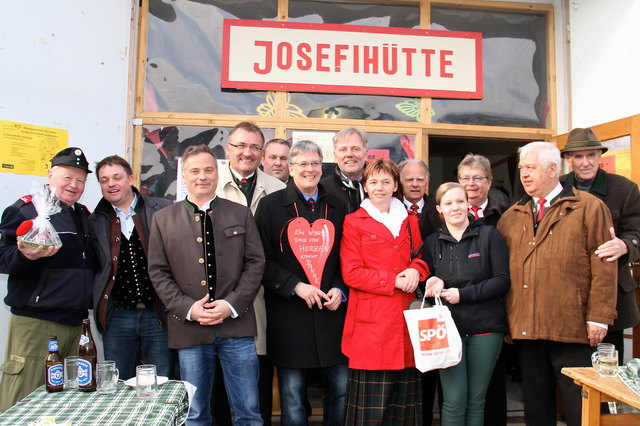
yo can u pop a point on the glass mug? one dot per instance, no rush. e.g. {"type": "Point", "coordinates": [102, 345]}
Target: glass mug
{"type": "Point", "coordinates": [107, 377]}
{"type": "Point", "coordinates": [146, 382]}
{"type": "Point", "coordinates": [605, 360]}
{"type": "Point", "coordinates": [71, 372]}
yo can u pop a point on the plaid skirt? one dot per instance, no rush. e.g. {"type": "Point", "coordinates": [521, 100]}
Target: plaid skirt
{"type": "Point", "coordinates": [384, 397]}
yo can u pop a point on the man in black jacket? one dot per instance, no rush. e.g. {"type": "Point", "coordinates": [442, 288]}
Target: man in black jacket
{"type": "Point", "coordinates": [582, 153]}
{"type": "Point", "coordinates": [485, 203]}
{"type": "Point", "coordinates": [126, 309]}
{"type": "Point", "coordinates": [350, 153]}
{"type": "Point", "coordinates": [49, 288]}
{"type": "Point", "coordinates": [414, 177]}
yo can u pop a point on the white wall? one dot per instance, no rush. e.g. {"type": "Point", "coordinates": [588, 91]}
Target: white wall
{"type": "Point", "coordinates": [65, 64]}
{"type": "Point", "coordinates": [604, 60]}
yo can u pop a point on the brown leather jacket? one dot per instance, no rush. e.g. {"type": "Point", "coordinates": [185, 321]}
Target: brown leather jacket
{"type": "Point", "coordinates": [557, 282]}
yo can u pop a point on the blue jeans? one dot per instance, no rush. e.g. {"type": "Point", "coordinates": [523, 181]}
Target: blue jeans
{"type": "Point", "coordinates": [293, 383]}
{"type": "Point", "coordinates": [134, 334]}
{"type": "Point", "coordinates": [240, 367]}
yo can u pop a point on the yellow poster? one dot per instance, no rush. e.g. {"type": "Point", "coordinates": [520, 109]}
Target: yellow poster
{"type": "Point", "coordinates": [27, 149]}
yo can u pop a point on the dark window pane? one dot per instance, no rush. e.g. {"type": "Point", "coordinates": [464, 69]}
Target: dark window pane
{"type": "Point", "coordinates": [184, 55]}
{"type": "Point", "coordinates": [370, 107]}
{"type": "Point", "coordinates": [514, 47]}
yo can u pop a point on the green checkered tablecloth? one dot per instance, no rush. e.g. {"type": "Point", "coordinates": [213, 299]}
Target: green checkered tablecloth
{"type": "Point", "coordinates": [90, 408]}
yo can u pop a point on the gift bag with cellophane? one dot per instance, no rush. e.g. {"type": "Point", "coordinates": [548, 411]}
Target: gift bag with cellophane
{"type": "Point", "coordinates": [40, 232]}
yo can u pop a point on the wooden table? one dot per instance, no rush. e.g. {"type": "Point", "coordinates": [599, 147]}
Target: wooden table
{"type": "Point", "coordinates": [595, 390]}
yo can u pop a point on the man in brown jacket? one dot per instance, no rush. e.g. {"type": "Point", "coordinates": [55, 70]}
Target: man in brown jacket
{"type": "Point", "coordinates": [562, 295]}
{"type": "Point", "coordinates": [206, 262]}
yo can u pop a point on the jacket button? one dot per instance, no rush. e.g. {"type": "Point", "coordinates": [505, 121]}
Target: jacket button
{"type": "Point", "coordinates": [117, 239]}
{"type": "Point", "coordinates": [383, 282]}
{"type": "Point", "coordinates": [524, 333]}
{"type": "Point", "coordinates": [199, 239]}
{"type": "Point", "coordinates": [373, 237]}
{"type": "Point", "coordinates": [115, 258]}
{"type": "Point", "coordinates": [197, 218]}
{"type": "Point", "coordinates": [278, 285]}
{"type": "Point", "coordinates": [396, 270]}
{"type": "Point", "coordinates": [235, 232]}
{"type": "Point", "coordinates": [525, 286]}
{"type": "Point", "coordinates": [396, 247]}
{"type": "Point", "coordinates": [105, 297]}
{"type": "Point", "coordinates": [203, 283]}
{"type": "Point", "coordinates": [201, 260]}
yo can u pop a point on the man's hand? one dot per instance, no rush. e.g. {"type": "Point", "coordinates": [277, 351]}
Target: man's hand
{"type": "Point", "coordinates": [612, 249]}
{"type": "Point", "coordinates": [205, 313]}
{"type": "Point", "coordinates": [595, 333]}
{"type": "Point", "coordinates": [34, 253]}
{"type": "Point", "coordinates": [310, 294]}
{"type": "Point", "coordinates": [335, 298]}
{"type": "Point", "coordinates": [407, 280]}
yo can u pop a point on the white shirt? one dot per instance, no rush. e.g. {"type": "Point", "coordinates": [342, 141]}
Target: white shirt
{"type": "Point", "coordinates": [126, 220]}
{"type": "Point", "coordinates": [420, 204]}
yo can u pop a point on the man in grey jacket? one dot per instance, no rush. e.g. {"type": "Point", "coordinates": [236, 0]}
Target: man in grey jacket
{"type": "Point", "coordinates": [125, 306]}
{"type": "Point", "coordinates": [206, 263]}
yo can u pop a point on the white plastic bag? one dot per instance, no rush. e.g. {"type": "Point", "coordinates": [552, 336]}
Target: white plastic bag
{"type": "Point", "coordinates": [434, 337]}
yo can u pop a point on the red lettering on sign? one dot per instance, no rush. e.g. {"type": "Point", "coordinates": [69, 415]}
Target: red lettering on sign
{"type": "Point", "coordinates": [370, 59]}
{"type": "Point", "coordinates": [285, 54]}
{"type": "Point", "coordinates": [321, 56]}
{"type": "Point", "coordinates": [268, 60]}
{"type": "Point", "coordinates": [408, 52]}
{"type": "Point", "coordinates": [427, 61]}
{"type": "Point", "coordinates": [444, 62]}
{"type": "Point", "coordinates": [304, 63]}
{"type": "Point", "coordinates": [339, 55]}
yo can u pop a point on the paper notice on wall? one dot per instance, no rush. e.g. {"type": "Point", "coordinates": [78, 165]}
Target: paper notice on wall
{"type": "Point", "coordinates": [27, 149]}
{"type": "Point", "coordinates": [323, 139]}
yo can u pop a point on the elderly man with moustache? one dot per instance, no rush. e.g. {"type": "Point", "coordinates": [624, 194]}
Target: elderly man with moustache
{"type": "Point", "coordinates": [244, 183]}
{"type": "Point", "coordinates": [49, 288]}
{"type": "Point", "coordinates": [582, 153]}
{"type": "Point", "coordinates": [206, 263]}
{"type": "Point", "coordinates": [275, 161]}
{"type": "Point", "coordinates": [125, 305]}
{"type": "Point", "coordinates": [562, 295]}
{"type": "Point", "coordinates": [350, 153]}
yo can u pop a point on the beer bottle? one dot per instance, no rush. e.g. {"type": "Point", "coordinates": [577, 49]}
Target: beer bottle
{"type": "Point", "coordinates": [87, 356]}
{"type": "Point", "coordinates": [53, 370]}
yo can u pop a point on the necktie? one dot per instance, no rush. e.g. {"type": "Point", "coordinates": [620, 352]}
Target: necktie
{"type": "Point", "coordinates": [312, 203]}
{"type": "Point", "coordinates": [475, 210]}
{"type": "Point", "coordinates": [243, 181]}
{"type": "Point", "coordinates": [541, 202]}
{"type": "Point", "coordinates": [414, 209]}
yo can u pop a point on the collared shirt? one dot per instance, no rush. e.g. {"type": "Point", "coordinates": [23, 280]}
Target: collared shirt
{"type": "Point", "coordinates": [482, 206]}
{"type": "Point", "coordinates": [350, 184]}
{"type": "Point", "coordinates": [238, 176]}
{"type": "Point", "coordinates": [420, 204]}
{"type": "Point", "coordinates": [314, 196]}
{"type": "Point", "coordinates": [126, 219]}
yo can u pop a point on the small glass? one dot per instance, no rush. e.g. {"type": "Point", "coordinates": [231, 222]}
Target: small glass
{"type": "Point", "coordinates": [71, 372]}
{"type": "Point", "coordinates": [605, 361]}
{"type": "Point", "coordinates": [146, 382]}
{"type": "Point", "coordinates": [107, 377]}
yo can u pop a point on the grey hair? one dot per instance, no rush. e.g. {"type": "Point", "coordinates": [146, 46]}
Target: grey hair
{"type": "Point", "coordinates": [476, 161]}
{"type": "Point", "coordinates": [415, 161]}
{"type": "Point", "coordinates": [284, 142]}
{"type": "Point", "coordinates": [347, 131]}
{"type": "Point", "coordinates": [304, 146]}
{"type": "Point", "coordinates": [548, 153]}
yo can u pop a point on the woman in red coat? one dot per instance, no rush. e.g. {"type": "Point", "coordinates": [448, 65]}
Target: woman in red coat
{"type": "Point", "coordinates": [376, 258]}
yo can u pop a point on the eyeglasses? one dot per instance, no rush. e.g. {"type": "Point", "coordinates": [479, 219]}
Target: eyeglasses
{"type": "Point", "coordinates": [313, 164]}
{"type": "Point", "coordinates": [243, 146]}
{"type": "Point", "coordinates": [475, 179]}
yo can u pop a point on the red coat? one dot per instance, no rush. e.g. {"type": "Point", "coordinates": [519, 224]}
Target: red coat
{"type": "Point", "coordinates": [375, 335]}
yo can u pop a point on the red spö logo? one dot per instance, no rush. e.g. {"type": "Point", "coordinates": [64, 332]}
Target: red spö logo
{"type": "Point", "coordinates": [433, 334]}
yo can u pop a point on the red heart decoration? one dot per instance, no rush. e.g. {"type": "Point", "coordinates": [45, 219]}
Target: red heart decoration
{"type": "Point", "coordinates": [24, 228]}
{"type": "Point", "coordinates": [311, 245]}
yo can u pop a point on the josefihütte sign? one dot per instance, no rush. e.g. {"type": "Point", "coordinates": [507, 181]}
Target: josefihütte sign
{"type": "Point", "coordinates": [268, 55]}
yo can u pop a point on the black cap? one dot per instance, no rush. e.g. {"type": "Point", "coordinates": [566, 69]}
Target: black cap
{"type": "Point", "coordinates": [73, 157]}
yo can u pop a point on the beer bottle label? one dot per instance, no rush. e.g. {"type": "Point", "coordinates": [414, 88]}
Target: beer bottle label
{"type": "Point", "coordinates": [83, 339]}
{"type": "Point", "coordinates": [53, 345]}
{"type": "Point", "coordinates": [84, 372]}
{"type": "Point", "coordinates": [54, 375]}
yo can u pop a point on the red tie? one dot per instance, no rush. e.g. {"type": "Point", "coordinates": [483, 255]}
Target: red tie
{"type": "Point", "coordinates": [475, 212]}
{"type": "Point", "coordinates": [312, 204]}
{"type": "Point", "coordinates": [414, 209]}
{"type": "Point", "coordinates": [243, 180]}
{"type": "Point", "coordinates": [541, 202]}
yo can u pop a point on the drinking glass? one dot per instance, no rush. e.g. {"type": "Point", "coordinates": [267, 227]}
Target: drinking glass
{"type": "Point", "coordinates": [146, 382]}
{"type": "Point", "coordinates": [71, 372]}
{"type": "Point", "coordinates": [107, 377]}
{"type": "Point", "coordinates": [605, 360]}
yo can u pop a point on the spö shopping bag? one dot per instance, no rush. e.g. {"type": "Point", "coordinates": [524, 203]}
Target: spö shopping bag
{"type": "Point", "coordinates": [434, 337]}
